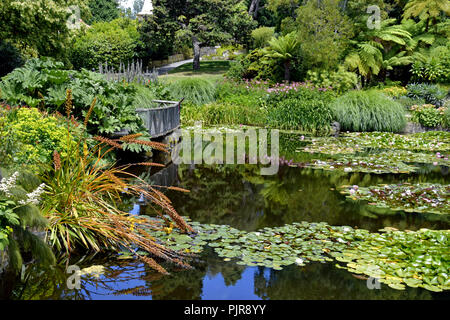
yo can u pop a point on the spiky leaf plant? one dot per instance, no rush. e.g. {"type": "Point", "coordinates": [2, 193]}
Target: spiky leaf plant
{"type": "Point", "coordinates": [81, 203]}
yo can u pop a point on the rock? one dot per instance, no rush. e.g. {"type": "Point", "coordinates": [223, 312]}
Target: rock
{"type": "Point", "coordinates": [336, 128]}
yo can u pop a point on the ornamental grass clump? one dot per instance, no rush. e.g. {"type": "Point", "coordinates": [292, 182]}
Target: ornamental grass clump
{"type": "Point", "coordinates": [362, 111]}
{"type": "Point", "coordinates": [195, 90]}
{"type": "Point", "coordinates": [81, 203]}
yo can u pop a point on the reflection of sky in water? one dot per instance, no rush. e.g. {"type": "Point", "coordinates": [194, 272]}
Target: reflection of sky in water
{"type": "Point", "coordinates": [214, 288]}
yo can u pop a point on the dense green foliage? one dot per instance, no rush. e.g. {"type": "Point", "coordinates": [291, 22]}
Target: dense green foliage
{"type": "Point", "coordinates": [103, 10]}
{"type": "Point", "coordinates": [38, 28]}
{"type": "Point", "coordinates": [261, 36]}
{"type": "Point", "coordinates": [369, 111]}
{"type": "Point", "coordinates": [341, 81]}
{"type": "Point", "coordinates": [45, 83]}
{"type": "Point", "coordinates": [307, 115]}
{"type": "Point", "coordinates": [430, 93]}
{"type": "Point", "coordinates": [19, 214]}
{"type": "Point", "coordinates": [429, 116]}
{"type": "Point", "coordinates": [105, 42]}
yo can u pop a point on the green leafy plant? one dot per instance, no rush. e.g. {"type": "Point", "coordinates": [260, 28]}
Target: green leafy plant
{"type": "Point", "coordinates": [105, 42]}
{"type": "Point", "coordinates": [44, 83]}
{"type": "Point", "coordinates": [19, 217]}
{"type": "Point", "coordinates": [433, 66]}
{"type": "Point", "coordinates": [428, 115]}
{"type": "Point", "coordinates": [431, 93]}
{"type": "Point", "coordinates": [341, 81]}
{"type": "Point", "coordinates": [283, 49]}
{"type": "Point", "coordinates": [422, 197]}
{"type": "Point", "coordinates": [35, 136]}
{"type": "Point", "coordinates": [261, 36]}
{"type": "Point", "coordinates": [369, 111]}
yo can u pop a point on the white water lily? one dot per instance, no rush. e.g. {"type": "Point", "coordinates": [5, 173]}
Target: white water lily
{"type": "Point", "coordinates": [299, 261]}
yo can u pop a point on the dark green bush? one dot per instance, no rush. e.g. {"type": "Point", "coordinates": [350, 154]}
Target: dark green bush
{"type": "Point", "coordinates": [11, 58]}
{"type": "Point", "coordinates": [431, 93]}
{"type": "Point", "coordinates": [368, 111]}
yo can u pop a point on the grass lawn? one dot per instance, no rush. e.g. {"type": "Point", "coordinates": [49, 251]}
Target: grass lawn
{"type": "Point", "coordinates": [212, 70]}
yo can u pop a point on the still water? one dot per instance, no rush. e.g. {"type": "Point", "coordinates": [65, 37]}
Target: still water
{"type": "Point", "coordinates": [237, 195]}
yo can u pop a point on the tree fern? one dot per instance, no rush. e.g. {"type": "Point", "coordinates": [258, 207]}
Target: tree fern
{"type": "Point", "coordinates": [371, 47]}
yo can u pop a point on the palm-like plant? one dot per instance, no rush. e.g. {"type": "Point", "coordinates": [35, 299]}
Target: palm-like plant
{"type": "Point", "coordinates": [426, 10]}
{"type": "Point", "coordinates": [283, 48]}
{"type": "Point", "coordinates": [372, 49]}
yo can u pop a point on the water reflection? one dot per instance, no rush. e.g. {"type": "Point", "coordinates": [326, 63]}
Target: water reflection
{"type": "Point", "coordinates": [211, 278]}
{"type": "Point", "coordinates": [239, 196]}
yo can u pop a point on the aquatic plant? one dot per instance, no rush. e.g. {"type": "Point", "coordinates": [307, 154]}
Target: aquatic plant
{"type": "Point", "coordinates": [421, 197]}
{"type": "Point", "coordinates": [396, 258]}
{"type": "Point", "coordinates": [402, 258]}
{"type": "Point", "coordinates": [431, 141]}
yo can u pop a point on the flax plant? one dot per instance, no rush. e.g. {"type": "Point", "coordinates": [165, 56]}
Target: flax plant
{"type": "Point", "coordinates": [81, 204]}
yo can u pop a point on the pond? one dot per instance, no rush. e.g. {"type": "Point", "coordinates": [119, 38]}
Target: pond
{"type": "Point", "coordinates": [239, 197]}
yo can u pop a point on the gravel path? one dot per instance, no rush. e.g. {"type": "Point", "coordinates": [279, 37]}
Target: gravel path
{"type": "Point", "coordinates": [165, 69]}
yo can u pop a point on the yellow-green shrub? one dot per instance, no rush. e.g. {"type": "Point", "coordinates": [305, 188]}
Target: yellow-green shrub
{"type": "Point", "coordinates": [37, 136]}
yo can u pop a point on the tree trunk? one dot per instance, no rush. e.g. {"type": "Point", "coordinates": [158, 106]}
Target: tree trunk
{"type": "Point", "coordinates": [254, 6]}
{"type": "Point", "coordinates": [196, 45]}
{"type": "Point", "coordinates": [287, 70]}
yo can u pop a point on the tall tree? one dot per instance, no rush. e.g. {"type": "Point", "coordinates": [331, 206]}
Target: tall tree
{"type": "Point", "coordinates": [377, 49]}
{"type": "Point", "coordinates": [103, 10]}
{"type": "Point", "coordinates": [324, 32]}
{"type": "Point", "coordinates": [254, 7]}
{"type": "Point", "coordinates": [284, 48]}
{"type": "Point", "coordinates": [210, 22]}
{"type": "Point", "coordinates": [38, 27]}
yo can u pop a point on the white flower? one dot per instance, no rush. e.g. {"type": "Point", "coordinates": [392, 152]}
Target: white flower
{"type": "Point", "coordinates": [7, 184]}
{"type": "Point", "coordinates": [34, 197]}
{"type": "Point", "coordinates": [299, 261]}
{"type": "Point", "coordinates": [347, 169]}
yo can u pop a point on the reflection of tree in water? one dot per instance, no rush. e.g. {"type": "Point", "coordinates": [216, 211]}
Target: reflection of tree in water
{"type": "Point", "coordinates": [218, 194]}
{"type": "Point", "coordinates": [318, 281]}
{"type": "Point", "coordinates": [239, 196]}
